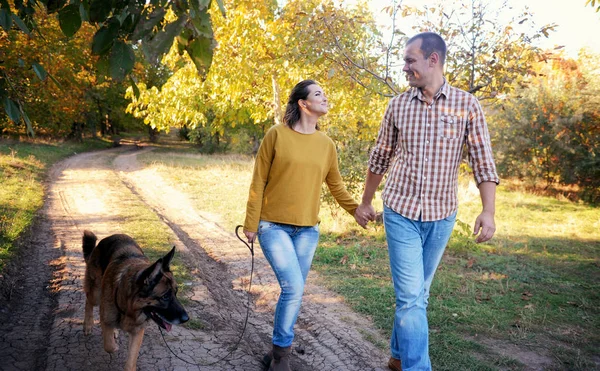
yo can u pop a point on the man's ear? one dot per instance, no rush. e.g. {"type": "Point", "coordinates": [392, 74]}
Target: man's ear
{"type": "Point", "coordinates": [434, 59]}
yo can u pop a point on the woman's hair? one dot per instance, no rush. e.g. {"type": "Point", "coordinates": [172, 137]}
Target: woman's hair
{"type": "Point", "coordinates": [292, 110]}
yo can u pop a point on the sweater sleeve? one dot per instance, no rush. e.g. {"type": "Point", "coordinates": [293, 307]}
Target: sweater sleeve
{"type": "Point", "coordinates": [262, 166]}
{"type": "Point", "coordinates": [336, 185]}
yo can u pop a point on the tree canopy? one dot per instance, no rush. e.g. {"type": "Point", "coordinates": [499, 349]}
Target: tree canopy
{"type": "Point", "coordinates": [121, 26]}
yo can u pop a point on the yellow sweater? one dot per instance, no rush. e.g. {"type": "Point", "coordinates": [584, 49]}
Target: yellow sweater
{"type": "Point", "coordinates": [289, 170]}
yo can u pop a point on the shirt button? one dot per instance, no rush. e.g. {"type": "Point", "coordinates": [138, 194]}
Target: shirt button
{"type": "Point", "coordinates": [425, 159]}
{"type": "Point", "coordinates": [427, 141]}
{"type": "Point", "coordinates": [424, 177]}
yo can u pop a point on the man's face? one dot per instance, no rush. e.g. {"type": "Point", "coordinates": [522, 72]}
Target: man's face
{"type": "Point", "coordinates": [416, 67]}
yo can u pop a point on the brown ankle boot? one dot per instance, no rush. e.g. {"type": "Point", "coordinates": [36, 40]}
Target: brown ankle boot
{"type": "Point", "coordinates": [395, 364]}
{"type": "Point", "coordinates": [266, 360]}
{"type": "Point", "coordinates": [281, 359]}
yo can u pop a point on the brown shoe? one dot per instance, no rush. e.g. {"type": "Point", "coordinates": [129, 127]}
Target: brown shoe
{"type": "Point", "coordinates": [281, 359]}
{"type": "Point", "coordinates": [395, 364]}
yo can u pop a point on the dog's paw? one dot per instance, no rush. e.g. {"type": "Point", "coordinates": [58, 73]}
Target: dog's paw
{"type": "Point", "coordinates": [87, 328]}
{"type": "Point", "coordinates": [111, 348]}
{"type": "Point", "coordinates": [110, 345]}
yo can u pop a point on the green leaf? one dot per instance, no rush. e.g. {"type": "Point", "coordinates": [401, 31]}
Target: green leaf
{"type": "Point", "coordinates": [84, 11]}
{"type": "Point", "coordinates": [105, 37]}
{"type": "Point", "coordinates": [222, 7]}
{"type": "Point", "coordinates": [27, 122]}
{"type": "Point", "coordinates": [184, 37]}
{"type": "Point", "coordinates": [5, 19]}
{"type": "Point", "coordinates": [99, 10]}
{"type": "Point", "coordinates": [162, 41]}
{"type": "Point", "coordinates": [21, 24]}
{"type": "Point", "coordinates": [12, 110]}
{"type": "Point", "coordinates": [129, 23]}
{"type": "Point", "coordinates": [54, 5]}
{"type": "Point", "coordinates": [201, 22]}
{"type": "Point", "coordinates": [121, 60]}
{"type": "Point", "coordinates": [40, 71]}
{"type": "Point", "coordinates": [69, 19]}
{"type": "Point", "coordinates": [201, 52]}
{"type": "Point", "coordinates": [136, 90]}
{"type": "Point", "coordinates": [145, 25]}
{"type": "Point", "coordinates": [55, 81]}
{"type": "Point", "coordinates": [103, 66]}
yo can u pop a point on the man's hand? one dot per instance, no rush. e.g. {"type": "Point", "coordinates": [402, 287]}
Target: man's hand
{"type": "Point", "coordinates": [251, 236]}
{"type": "Point", "coordinates": [364, 213]}
{"type": "Point", "coordinates": [484, 227]}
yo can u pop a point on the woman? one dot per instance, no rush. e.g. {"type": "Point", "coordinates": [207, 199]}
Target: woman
{"type": "Point", "coordinates": [283, 206]}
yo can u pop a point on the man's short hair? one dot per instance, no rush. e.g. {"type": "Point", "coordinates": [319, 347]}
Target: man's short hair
{"type": "Point", "coordinates": [431, 42]}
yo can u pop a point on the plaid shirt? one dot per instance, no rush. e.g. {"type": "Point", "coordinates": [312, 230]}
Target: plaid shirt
{"type": "Point", "coordinates": [422, 145]}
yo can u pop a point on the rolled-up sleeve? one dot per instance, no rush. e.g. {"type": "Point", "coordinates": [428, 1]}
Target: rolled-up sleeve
{"type": "Point", "coordinates": [382, 154]}
{"type": "Point", "coordinates": [479, 146]}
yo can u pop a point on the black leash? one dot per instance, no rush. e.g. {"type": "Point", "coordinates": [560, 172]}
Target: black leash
{"type": "Point", "coordinates": [251, 248]}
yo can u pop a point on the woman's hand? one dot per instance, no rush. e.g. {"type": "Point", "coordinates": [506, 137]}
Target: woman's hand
{"type": "Point", "coordinates": [251, 236]}
{"type": "Point", "coordinates": [363, 214]}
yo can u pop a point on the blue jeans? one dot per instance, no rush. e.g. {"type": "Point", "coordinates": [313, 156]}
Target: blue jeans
{"type": "Point", "coordinates": [290, 250]}
{"type": "Point", "coordinates": [415, 250]}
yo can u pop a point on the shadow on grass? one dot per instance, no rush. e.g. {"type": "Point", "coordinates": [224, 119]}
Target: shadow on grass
{"type": "Point", "coordinates": [546, 288]}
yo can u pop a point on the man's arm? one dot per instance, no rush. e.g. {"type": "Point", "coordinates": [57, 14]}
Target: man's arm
{"type": "Point", "coordinates": [372, 182]}
{"type": "Point", "coordinates": [485, 227]}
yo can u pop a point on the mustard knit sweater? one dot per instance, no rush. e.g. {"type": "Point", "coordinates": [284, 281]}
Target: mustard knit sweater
{"type": "Point", "coordinates": [289, 170]}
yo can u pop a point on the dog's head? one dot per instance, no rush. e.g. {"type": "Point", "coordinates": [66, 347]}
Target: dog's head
{"type": "Point", "coordinates": [158, 290]}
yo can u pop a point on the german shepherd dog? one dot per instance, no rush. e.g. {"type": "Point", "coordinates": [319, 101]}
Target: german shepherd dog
{"type": "Point", "coordinates": [129, 290]}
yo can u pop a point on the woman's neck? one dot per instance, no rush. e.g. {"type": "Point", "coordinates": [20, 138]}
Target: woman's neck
{"type": "Point", "coordinates": [306, 125]}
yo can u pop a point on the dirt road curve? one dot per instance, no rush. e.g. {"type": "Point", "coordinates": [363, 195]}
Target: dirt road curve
{"type": "Point", "coordinates": [41, 297]}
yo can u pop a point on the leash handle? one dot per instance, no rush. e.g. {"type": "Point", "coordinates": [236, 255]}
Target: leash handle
{"type": "Point", "coordinates": [251, 246]}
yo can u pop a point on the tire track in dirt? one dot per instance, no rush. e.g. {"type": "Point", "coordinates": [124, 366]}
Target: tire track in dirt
{"type": "Point", "coordinates": [90, 191]}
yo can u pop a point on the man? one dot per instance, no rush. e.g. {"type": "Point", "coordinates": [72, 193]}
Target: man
{"type": "Point", "coordinates": [420, 142]}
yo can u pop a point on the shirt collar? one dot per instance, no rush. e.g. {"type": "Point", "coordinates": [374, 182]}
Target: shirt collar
{"type": "Point", "coordinates": [444, 90]}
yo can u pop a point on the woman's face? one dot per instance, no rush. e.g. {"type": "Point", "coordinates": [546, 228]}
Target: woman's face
{"type": "Point", "coordinates": [316, 101]}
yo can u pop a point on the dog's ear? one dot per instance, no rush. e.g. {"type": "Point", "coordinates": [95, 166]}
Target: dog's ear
{"type": "Point", "coordinates": [166, 263]}
{"type": "Point", "coordinates": [151, 275]}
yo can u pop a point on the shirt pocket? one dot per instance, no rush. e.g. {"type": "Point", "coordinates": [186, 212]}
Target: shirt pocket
{"type": "Point", "coordinates": [451, 126]}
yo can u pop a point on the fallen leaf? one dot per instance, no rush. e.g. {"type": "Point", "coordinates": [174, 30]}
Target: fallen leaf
{"type": "Point", "coordinates": [470, 263]}
{"type": "Point", "coordinates": [526, 295]}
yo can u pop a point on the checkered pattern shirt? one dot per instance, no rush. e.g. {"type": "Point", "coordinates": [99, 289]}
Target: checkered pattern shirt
{"type": "Point", "coordinates": [421, 144]}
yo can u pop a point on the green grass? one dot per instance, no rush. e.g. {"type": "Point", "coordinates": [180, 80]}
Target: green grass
{"type": "Point", "coordinates": [535, 285]}
{"type": "Point", "coordinates": [22, 170]}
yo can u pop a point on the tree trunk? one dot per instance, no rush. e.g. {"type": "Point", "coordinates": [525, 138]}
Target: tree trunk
{"type": "Point", "coordinates": [277, 112]}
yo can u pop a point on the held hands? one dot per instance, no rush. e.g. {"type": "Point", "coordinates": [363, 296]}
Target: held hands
{"type": "Point", "coordinates": [484, 227]}
{"type": "Point", "coordinates": [364, 213]}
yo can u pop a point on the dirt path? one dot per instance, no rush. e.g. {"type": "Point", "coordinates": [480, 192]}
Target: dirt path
{"type": "Point", "coordinates": [42, 316]}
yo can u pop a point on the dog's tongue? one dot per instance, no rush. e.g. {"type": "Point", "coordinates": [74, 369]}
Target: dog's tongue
{"type": "Point", "coordinates": [162, 323]}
